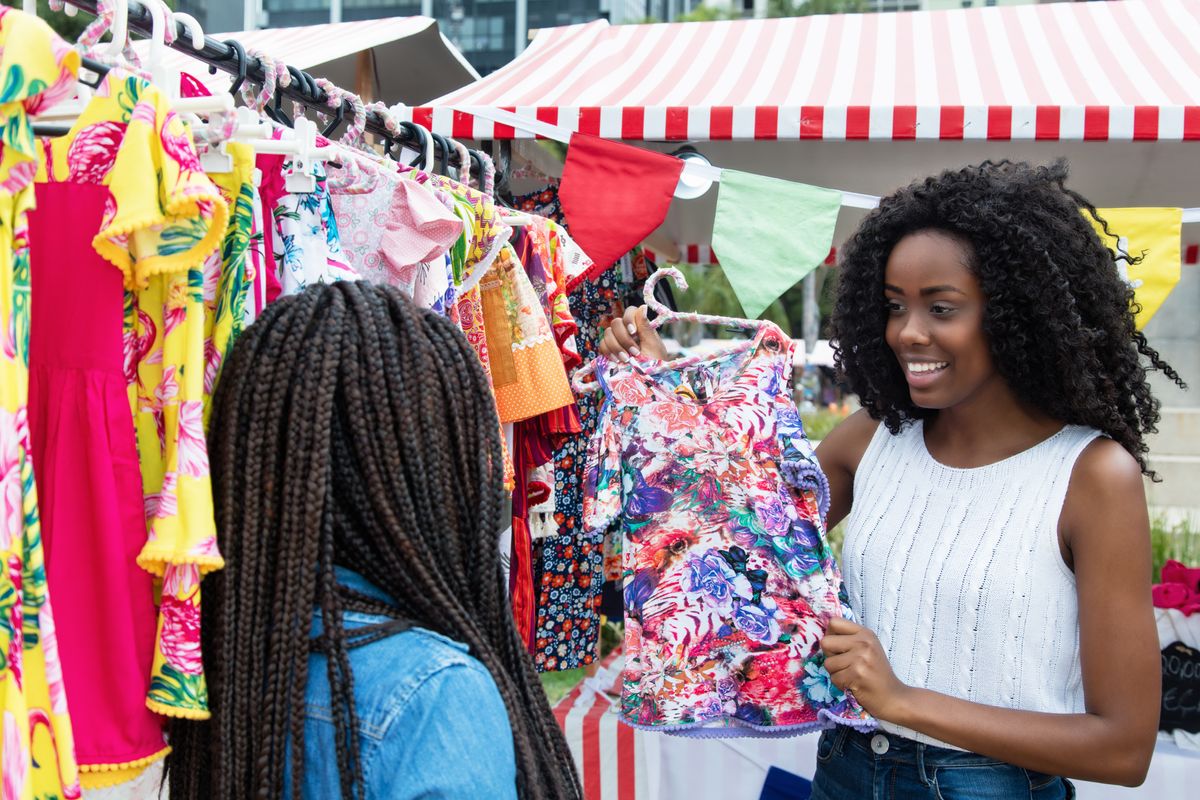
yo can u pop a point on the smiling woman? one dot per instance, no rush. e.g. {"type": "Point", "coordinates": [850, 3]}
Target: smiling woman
{"type": "Point", "coordinates": [935, 314]}
{"type": "Point", "coordinates": [996, 537]}
{"type": "Point", "coordinates": [996, 533]}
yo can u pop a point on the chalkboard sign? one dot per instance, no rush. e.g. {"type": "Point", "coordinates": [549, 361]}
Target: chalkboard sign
{"type": "Point", "coordinates": [1180, 689]}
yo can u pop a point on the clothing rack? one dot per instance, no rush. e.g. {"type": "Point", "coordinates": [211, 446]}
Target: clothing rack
{"type": "Point", "coordinates": [228, 56]}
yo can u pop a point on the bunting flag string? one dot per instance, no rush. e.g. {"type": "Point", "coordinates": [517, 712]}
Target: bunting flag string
{"type": "Point", "coordinates": [768, 233]}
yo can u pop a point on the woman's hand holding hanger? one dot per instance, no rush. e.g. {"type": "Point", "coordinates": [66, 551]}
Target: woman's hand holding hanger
{"type": "Point", "coordinates": [632, 335]}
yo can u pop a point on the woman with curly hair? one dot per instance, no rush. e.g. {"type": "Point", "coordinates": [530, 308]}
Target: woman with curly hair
{"type": "Point", "coordinates": [997, 548]}
{"type": "Point", "coordinates": [359, 642]}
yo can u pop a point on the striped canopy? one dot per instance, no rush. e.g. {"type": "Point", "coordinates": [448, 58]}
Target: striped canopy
{"type": "Point", "coordinates": [1120, 70]}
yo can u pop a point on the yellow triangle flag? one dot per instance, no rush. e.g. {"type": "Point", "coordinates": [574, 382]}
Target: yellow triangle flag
{"type": "Point", "coordinates": [1153, 235]}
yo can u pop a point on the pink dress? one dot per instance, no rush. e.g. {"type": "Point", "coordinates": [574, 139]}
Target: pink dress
{"type": "Point", "coordinates": [89, 481]}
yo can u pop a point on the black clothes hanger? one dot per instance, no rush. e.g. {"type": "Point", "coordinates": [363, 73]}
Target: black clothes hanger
{"type": "Point", "coordinates": [338, 115]}
{"type": "Point", "coordinates": [92, 65]}
{"type": "Point", "coordinates": [417, 133]}
{"type": "Point", "coordinates": [443, 157]}
{"type": "Point", "coordinates": [239, 53]}
{"type": "Point", "coordinates": [477, 165]}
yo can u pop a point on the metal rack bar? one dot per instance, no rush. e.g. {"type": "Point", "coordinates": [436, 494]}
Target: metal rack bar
{"type": "Point", "coordinates": [221, 56]}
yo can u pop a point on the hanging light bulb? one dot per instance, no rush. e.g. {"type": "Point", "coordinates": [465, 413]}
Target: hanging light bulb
{"type": "Point", "coordinates": [691, 184]}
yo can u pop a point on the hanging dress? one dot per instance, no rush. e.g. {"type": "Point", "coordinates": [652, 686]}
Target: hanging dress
{"type": "Point", "coordinates": [229, 274]}
{"type": "Point", "coordinates": [729, 581]}
{"type": "Point", "coordinates": [37, 751]}
{"type": "Point", "coordinates": [129, 162]}
{"type": "Point", "coordinates": [307, 244]}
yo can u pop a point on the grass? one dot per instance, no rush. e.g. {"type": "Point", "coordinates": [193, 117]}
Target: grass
{"type": "Point", "coordinates": [818, 424]}
{"type": "Point", "coordinates": [557, 684]}
{"type": "Point", "coordinates": [1178, 541]}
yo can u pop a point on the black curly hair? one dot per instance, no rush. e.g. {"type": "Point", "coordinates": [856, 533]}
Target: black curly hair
{"type": "Point", "coordinates": [350, 428]}
{"type": "Point", "coordinates": [1058, 317]}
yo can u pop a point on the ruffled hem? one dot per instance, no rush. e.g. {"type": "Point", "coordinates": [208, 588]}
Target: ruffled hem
{"type": "Point", "coordinates": [805, 474]}
{"type": "Point", "coordinates": [738, 729]}
{"type": "Point", "coordinates": [137, 276]}
{"type": "Point", "coordinates": [178, 712]}
{"type": "Point", "coordinates": [102, 776]}
{"type": "Point", "coordinates": [156, 563]}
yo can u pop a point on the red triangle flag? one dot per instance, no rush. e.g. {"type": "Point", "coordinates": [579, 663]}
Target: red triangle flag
{"type": "Point", "coordinates": [613, 195]}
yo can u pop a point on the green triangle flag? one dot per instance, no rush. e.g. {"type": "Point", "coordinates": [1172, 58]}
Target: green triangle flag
{"type": "Point", "coordinates": [769, 233]}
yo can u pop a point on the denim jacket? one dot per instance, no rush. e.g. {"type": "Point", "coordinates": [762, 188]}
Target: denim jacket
{"type": "Point", "coordinates": [431, 723]}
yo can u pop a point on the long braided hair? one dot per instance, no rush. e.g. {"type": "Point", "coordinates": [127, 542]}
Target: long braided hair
{"type": "Point", "coordinates": [350, 428]}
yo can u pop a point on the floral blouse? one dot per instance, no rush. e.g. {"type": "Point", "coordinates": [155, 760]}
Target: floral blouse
{"type": "Point", "coordinates": [38, 70]}
{"type": "Point", "coordinates": [165, 219]}
{"type": "Point", "coordinates": [729, 581]}
{"type": "Point", "coordinates": [308, 247]}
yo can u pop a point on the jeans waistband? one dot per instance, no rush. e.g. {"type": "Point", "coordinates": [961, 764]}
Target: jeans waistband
{"type": "Point", "coordinates": [890, 747]}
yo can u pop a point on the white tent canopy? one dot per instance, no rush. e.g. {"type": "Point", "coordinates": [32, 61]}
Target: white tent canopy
{"type": "Point", "coordinates": [413, 61]}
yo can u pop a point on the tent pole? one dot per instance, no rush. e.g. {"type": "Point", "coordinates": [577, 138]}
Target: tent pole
{"type": "Point", "coordinates": [364, 76]}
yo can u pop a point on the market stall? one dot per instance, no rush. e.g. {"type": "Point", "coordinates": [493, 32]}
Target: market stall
{"type": "Point", "coordinates": [865, 104]}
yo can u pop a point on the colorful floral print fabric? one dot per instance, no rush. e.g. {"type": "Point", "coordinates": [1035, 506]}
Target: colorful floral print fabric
{"type": "Point", "coordinates": [569, 581]}
{"type": "Point", "coordinates": [164, 220]}
{"type": "Point", "coordinates": [307, 246]}
{"type": "Point", "coordinates": [38, 69]}
{"type": "Point", "coordinates": [391, 231]}
{"type": "Point", "coordinates": [229, 273]}
{"type": "Point", "coordinates": [729, 581]}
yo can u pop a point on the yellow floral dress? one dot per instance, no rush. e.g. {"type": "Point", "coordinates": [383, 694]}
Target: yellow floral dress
{"type": "Point", "coordinates": [164, 219]}
{"type": "Point", "coordinates": [37, 752]}
{"type": "Point", "coordinates": [228, 272]}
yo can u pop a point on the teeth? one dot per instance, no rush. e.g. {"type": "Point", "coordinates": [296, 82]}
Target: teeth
{"type": "Point", "coordinates": [919, 368]}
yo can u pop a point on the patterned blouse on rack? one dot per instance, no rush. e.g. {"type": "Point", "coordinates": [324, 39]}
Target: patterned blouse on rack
{"type": "Point", "coordinates": [729, 581]}
{"type": "Point", "coordinates": [308, 247]}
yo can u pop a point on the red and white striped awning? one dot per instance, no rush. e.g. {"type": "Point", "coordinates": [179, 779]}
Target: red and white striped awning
{"type": "Point", "coordinates": [1120, 70]}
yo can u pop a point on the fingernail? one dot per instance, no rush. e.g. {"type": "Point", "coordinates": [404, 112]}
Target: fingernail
{"type": "Point", "coordinates": [633, 351]}
{"type": "Point", "coordinates": [624, 357]}
{"type": "Point", "coordinates": [632, 329]}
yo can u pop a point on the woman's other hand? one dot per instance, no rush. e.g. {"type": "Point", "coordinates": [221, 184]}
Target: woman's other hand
{"type": "Point", "coordinates": [632, 335]}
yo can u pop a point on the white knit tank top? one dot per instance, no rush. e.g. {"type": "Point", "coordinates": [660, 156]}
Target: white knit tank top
{"type": "Point", "coordinates": [959, 572]}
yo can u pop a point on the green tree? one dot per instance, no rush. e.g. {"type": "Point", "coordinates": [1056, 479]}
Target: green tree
{"type": "Point", "coordinates": [708, 14]}
{"type": "Point", "coordinates": [804, 8]}
{"type": "Point", "coordinates": [68, 28]}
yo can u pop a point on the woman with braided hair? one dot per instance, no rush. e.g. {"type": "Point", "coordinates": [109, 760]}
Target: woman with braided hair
{"type": "Point", "coordinates": [359, 641]}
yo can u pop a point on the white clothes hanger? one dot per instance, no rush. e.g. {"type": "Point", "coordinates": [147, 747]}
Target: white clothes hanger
{"type": "Point", "coordinates": [195, 32]}
{"type": "Point", "coordinates": [665, 315]}
{"type": "Point", "coordinates": [120, 27]}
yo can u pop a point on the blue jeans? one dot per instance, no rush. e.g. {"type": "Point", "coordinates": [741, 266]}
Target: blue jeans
{"type": "Point", "coordinates": [857, 766]}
